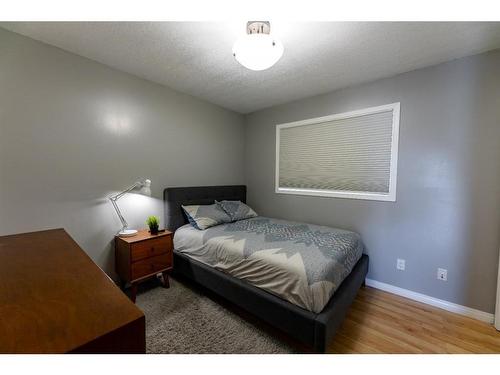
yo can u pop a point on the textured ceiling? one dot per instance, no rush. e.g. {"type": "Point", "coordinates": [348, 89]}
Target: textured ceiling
{"type": "Point", "coordinates": [195, 57]}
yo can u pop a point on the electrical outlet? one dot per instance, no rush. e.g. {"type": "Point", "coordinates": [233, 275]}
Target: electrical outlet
{"type": "Point", "coordinates": [401, 264]}
{"type": "Point", "coordinates": [442, 274]}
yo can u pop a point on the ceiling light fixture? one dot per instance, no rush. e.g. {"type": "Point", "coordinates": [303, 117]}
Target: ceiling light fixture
{"type": "Point", "coordinates": [258, 49]}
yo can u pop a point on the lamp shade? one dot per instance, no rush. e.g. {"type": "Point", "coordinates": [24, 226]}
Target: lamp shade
{"type": "Point", "coordinates": [146, 188]}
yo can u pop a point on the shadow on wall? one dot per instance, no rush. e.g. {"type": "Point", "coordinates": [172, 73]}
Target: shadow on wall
{"type": "Point", "coordinates": [480, 145]}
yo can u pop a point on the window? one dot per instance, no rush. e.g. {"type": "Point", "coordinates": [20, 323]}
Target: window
{"type": "Point", "coordinates": [347, 155]}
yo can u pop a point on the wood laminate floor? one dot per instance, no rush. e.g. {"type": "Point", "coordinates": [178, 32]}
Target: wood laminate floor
{"type": "Point", "coordinates": [380, 322]}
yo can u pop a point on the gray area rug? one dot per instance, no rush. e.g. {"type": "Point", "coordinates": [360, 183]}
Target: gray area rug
{"type": "Point", "coordinates": [182, 319]}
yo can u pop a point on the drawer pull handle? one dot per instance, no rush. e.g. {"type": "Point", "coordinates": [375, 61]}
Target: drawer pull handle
{"type": "Point", "coordinates": [152, 249]}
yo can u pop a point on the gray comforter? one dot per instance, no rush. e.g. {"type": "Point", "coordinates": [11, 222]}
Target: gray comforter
{"type": "Point", "coordinates": [301, 263]}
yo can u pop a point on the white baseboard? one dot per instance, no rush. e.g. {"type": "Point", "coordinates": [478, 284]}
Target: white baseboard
{"type": "Point", "coordinates": [445, 305]}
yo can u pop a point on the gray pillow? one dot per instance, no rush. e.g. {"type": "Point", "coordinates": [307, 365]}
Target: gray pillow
{"type": "Point", "coordinates": [206, 216]}
{"type": "Point", "coordinates": [237, 210]}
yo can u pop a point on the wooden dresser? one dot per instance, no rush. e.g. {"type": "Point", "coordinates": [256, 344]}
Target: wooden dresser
{"type": "Point", "coordinates": [55, 299]}
{"type": "Point", "coordinates": [143, 256]}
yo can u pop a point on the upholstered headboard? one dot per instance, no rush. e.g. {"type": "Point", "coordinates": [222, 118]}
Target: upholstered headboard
{"type": "Point", "coordinates": [177, 196]}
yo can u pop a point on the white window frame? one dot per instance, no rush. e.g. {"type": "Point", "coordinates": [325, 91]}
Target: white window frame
{"type": "Point", "coordinates": [390, 196]}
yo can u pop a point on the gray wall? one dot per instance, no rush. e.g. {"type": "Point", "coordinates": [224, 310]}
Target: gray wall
{"type": "Point", "coordinates": [447, 212]}
{"type": "Point", "coordinates": [73, 131]}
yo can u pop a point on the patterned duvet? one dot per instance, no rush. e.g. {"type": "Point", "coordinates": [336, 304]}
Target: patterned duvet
{"type": "Point", "coordinates": [301, 263]}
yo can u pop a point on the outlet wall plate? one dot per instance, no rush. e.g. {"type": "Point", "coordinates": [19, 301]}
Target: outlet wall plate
{"type": "Point", "coordinates": [442, 274]}
{"type": "Point", "coordinates": [401, 264]}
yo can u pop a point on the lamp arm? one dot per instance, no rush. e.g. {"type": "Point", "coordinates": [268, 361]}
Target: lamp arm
{"type": "Point", "coordinates": [122, 219]}
{"type": "Point", "coordinates": [114, 198]}
{"type": "Point", "coordinates": [130, 188]}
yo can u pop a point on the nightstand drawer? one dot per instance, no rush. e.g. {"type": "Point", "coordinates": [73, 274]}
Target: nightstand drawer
{"type": "Point", "coordinates": [142, 256]}
{"type": "Point", "coordinates": [150, 265]}
{"type": "Point", "coordinates": [150, 248]}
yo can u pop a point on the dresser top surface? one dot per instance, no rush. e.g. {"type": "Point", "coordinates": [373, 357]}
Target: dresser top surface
{"type": "Point", "coordinates": [53, 297]}
{"type": "Point", "coordinates": [143, 235]}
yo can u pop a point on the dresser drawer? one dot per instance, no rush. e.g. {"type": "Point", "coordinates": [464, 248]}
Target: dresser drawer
{"type": "Point", "coordinates": [150, 248]}
{"type": "Point", "coordinates": [151, 265]}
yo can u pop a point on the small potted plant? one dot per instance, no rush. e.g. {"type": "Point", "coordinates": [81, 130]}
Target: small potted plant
{"type": "Point", "coordinates": [153, 223]}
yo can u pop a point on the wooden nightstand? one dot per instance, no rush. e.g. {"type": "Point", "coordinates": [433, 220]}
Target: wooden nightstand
{"type": "Point", "coordinates": [143, 256]}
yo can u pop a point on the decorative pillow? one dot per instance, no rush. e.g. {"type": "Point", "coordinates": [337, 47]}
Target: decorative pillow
{"type": "Point", "coordinates": [237, 210]}
{"type": "Point", "coordinates": [206, 216]}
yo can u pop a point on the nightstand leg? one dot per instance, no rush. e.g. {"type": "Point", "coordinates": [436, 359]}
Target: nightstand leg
{"type": "Point", "coordinates": [133, 292]}
{"type": "Point", "coordinates": [166, 283]}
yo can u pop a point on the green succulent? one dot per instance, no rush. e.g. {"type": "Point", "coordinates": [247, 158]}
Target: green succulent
{"type": "Point", "coordinates": [153, 222]}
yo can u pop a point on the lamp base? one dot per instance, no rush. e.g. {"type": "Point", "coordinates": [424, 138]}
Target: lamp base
{"type": "Point", "coordinates": [127, 233]}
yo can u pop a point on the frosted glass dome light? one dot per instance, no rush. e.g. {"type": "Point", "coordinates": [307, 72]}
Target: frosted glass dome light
{"type": "Point", "coordinates": [258, 50]}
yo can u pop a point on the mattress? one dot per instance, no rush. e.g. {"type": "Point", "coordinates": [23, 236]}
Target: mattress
{"type": "Point", "coordinates": [301, 263]}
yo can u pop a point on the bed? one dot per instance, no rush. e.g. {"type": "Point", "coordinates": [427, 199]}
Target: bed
{"type": "Point", "coordinates": [309, 316]}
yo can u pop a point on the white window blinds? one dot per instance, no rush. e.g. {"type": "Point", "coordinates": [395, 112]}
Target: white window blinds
{"type": "Point", "coordinates": [352, 155]}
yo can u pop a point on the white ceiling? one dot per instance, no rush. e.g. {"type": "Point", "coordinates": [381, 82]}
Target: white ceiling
{"type": "Point", "coordinates": [195, 57]}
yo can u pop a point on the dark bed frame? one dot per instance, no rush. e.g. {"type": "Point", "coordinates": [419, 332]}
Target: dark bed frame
{"type": "Point", "coordinates": [311, 329]}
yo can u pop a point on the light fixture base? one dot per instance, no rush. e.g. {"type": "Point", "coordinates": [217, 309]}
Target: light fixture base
{"type": "Point", "coordinates": [127, 233]}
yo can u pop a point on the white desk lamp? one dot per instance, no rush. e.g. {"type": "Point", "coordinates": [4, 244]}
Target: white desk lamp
{"type": "Point", "coordinates": [145, 189]}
